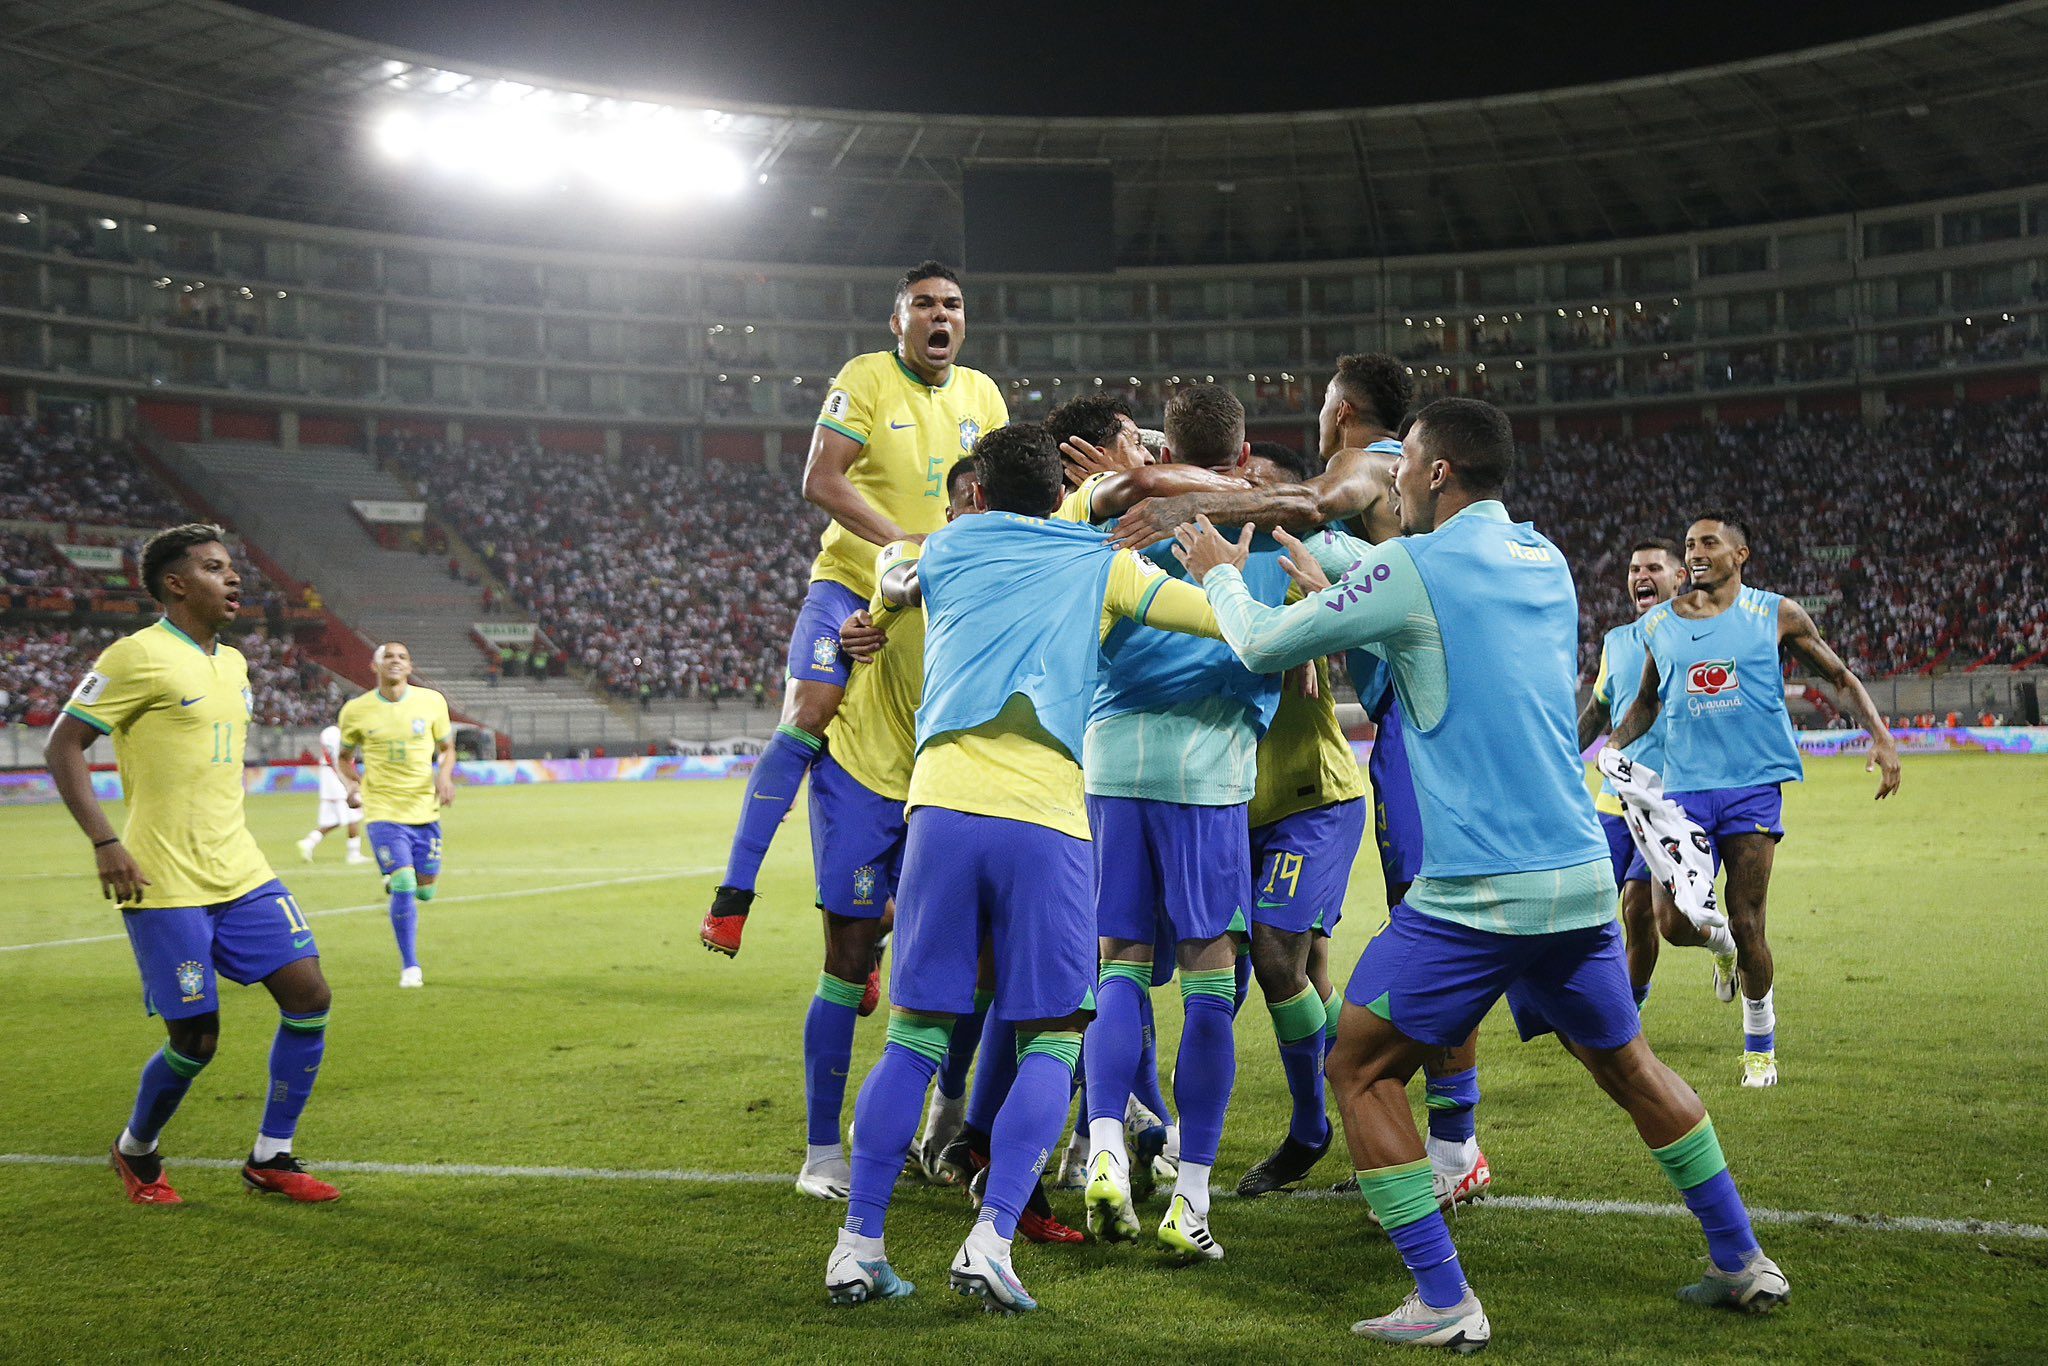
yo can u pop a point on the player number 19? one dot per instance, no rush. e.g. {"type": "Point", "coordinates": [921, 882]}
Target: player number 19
{"type": "Point", "coordinates": [1286, 868]}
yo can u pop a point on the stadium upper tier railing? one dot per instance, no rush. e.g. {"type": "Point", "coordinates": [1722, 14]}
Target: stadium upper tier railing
{"type": "Point", "coordinates": [1916, 304]}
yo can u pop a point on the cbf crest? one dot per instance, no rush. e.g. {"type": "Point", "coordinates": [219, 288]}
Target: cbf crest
{"type": "Point", "coordinates": [970, 432]}
{"type": "Point", "coordinates": [824, 652]}
{"type": "Point", "coordinates": [191, 980]}
{"type": "Point", "coordinates": [419, 725]}
{"type": "Point", "coordinates": [864, 885]}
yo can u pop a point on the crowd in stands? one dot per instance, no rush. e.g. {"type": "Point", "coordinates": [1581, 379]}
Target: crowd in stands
{"type": "Point", "coordinates": [1920, 542]}
{"type": "Point", "coordinates": [661, 581]}
{"type": "Point", "coordinates": [41, 662]}
{"type": "Point", "coordinates": [1927, 537]}
{"type": "Point", "coordinates": [51, 475]}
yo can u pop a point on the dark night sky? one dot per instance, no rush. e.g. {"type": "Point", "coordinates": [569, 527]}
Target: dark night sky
{"type": "Point", "coordinates": [1057, 57]}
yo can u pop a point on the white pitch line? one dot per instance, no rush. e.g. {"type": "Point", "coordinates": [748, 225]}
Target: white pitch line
{"type": "Point", "coordinates": [509, 895]}
{"type": "Point", "coordinates": [1541, 1204]}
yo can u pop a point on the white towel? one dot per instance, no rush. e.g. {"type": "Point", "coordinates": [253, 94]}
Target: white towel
{"type": "Point", "coordinates": [1671, 842]}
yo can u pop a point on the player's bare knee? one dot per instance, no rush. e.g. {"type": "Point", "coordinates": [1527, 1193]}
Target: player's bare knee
{"type": "Point", "coordinates": [849, 947]}
{"type": "Point", "coordinates": [1279, 961]}
{"type": "Point", "coordinates": [196, 1036]}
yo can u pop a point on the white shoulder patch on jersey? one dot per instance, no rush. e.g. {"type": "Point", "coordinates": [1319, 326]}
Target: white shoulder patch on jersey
{"type": "Point", "coordinates": [90, 688]}
{"type": "Point", "coordinates": [837, 402]}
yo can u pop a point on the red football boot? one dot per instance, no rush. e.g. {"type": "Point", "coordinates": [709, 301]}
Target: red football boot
{"type": "Point", "coordinates": [726, 921]}
{"type": "Point", "coordinates": [287, 1176]}
{"type": "Point", "coordinates": [871, 996]}
{"type": "Point", "coordinates": [143, 1189]}
{"type": "Point", "coordinates": [1044, 1228]}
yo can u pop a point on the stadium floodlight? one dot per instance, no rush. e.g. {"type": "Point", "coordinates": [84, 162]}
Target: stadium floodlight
{"type": "Point", "coordinates": [398, 135]}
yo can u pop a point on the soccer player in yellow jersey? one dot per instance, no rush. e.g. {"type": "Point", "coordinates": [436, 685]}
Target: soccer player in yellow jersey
{"type": "Point", "coordinates": [197, 897]}
{"type": "Point", "coordinates": [1308, 818]}
{"type": "Point", "coordinates": [893, 423]}
{"type": "Point", "coordinates": [1016, 609]}
{"type": "Point", "coordinates": [401, 733]}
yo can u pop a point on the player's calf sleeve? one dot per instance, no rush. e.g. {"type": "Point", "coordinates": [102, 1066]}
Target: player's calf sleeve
{"type": "Point", "coordinates": [1208, 1062]}
{"type": "Point", "coordinates": [886, 1113]}
{"type": "Point", "coordinates": [1298, 1025]}
{"type": "Point", "coordinates": [405, 918]}
{"type": "Point", "coordinates": [1404, 1199]}
{"type": "Point", "coordinates": [1028, 1125]}
{"type": "Point", "coordinates": [166, 1077]}
{"type": "Point", "coordinates": [1451, 1101]}
{"type": "Point", "coordinates": [995, 1068]}
{"type": "Point", "coordinates": [294, 1066]}
{"type": "Point", "coordinates": [1760, 1023]}
{"type": "Point", "coordinates": [771, 791]}
{"type": "Point", "coordinates": [828, 1055]}
{"type": "Point", "coordinates": [1146, 1088]}
{"type": "Point", "coordinates": [426, 891]}
{"type": "Point", "coordinates": [1333, 1006]}
{"type": "Point", "coordinates": [1115, 1039]}
{"type": "Point", "coordinates": [1698, 1169]}
{"type": "Point", "coordinates": [960, 1054]}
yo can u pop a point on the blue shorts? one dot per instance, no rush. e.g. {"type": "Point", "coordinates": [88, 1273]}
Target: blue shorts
{"type": "Point", "coordinates": [1301, 867]}
{"type": "Point", "coordinates": [814, 653]}
{"type": "Point", "coordinates": [1397, 819]}
{"type": "Point", "coordinates": [856, 842]}
{"type": "Point", "coordinates": [180, 949]}
{"type": "Point", "coordinates": [1022, 887]}
{"type": "Point", "coordinates": [1622, 853]}
{"type": "Point", "coordinates": [1167, 870]}
{"type": "Point", "coordinates": [1729, 811]}
{"type": "Point", "coordinates": [1434, 980]}
{"type": "Point", "coordinates": [417, 847]}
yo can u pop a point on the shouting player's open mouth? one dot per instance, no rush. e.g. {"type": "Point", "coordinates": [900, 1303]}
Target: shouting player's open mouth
{"type": "Point", "coordinates": [1645, 592]}
{"type": "Point", "coordinates": [938, 344]}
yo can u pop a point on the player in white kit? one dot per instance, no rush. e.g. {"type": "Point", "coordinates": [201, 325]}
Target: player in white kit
{"type": "Point", "coordinates": [334, 806]}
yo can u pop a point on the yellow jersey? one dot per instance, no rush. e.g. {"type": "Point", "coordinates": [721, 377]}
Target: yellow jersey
{"type": "Point", "coordinates": [398, 741]}
{"type": "Point", "coordinates": [1011, 767]}
{"type": "Point", "coordinates": [179, 718]}
{"type": "Point", "coordinates": [1604, 800]}
{"type": "Point", "coordinates": [873, 735]}
{"type": "Point", "coordinates": [1304, 760]}
{"type": "Point", "coordinates": [911, 434]}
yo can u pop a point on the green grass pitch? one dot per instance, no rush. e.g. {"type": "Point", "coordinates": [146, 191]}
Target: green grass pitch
{"type": "Point", "coordinates": [570, 1019]}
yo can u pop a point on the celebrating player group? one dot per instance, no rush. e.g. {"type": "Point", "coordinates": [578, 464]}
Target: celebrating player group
{"type": "Point", "coordinates": [1064, 696]}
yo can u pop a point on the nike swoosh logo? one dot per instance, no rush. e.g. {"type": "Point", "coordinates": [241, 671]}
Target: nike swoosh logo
{"type": "Point", "coordinates": [840, 1072]}
{"type": "Point", "coordinates": [1699, 637]}
{"type": "Point", "coordinates": [1271, 905]}
{"type": "Point", "coordinates": [900, 426]}
{"type": "Point", "coordinates": [188, 701]}
{"type": "Point", "coordinates": [301, 943]}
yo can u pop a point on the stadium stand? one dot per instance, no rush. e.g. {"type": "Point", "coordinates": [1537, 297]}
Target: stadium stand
{"type": "Point", "coordinates": [40, 663]}
{"type": "Point", "coordinates": [651, 576]}
{"type": "Point", "coordinates": [697, 577]}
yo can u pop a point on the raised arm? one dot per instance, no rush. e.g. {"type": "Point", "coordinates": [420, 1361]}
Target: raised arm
{"type": "Point", "coordinates": [1350, 486]}
{"type": "Point", "coordinates": [1797, 633]}
{"type": "Point", "coordinates": [825, 485]}
{"type": "Point", "coordinates": [1117, 494]}
{"type": "Point", "coordinates": [1642, 712]}
{"type": "Point", "coordinates": [121, 878]}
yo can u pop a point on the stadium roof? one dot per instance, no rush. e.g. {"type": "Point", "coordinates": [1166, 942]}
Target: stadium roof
{"type": "Point", "coordinates": [200, 103]}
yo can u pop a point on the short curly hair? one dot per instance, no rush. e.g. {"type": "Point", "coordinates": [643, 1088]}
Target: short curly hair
{"type": "Point", "coordinates": [1020, 470]}
{"type": "Point", "coordinates": [1376, 383]}
{"type": "Point", "coordinates": [1093, 418]}
{"type": "Point", "coordinates": [166, 550]}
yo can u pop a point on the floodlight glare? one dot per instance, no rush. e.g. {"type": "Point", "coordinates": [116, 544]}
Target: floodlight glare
{"type": "Point", "coordinates": [398, 135]}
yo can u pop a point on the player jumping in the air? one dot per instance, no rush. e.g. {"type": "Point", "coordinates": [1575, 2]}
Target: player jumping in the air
{"type": "Point", "coordinates": [197, 898]}
{"type": "Point", "coordinates": [1478, 618]}
{"type": "Point", "coordinates": [893, 423]}
{"type": "Point", "coordinates": [1016, 609]}
{"type": "Point", "coordinates": [401, 733]}
{"type": "Point", "coordinates": [335, 810]}
{"type": "Point", "coordinates": [1712, 684]}
{"type": "Point", "coordinates": [1654, 572]}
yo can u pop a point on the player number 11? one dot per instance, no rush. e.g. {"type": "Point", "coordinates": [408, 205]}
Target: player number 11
{"type": "Point", "coordinates": [294, 918]}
